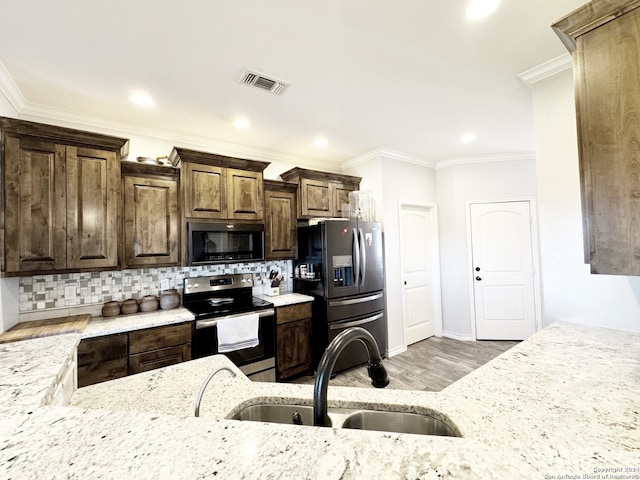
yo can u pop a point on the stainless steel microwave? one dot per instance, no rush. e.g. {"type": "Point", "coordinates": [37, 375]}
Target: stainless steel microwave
{"type": "Point", "coordinates": [210, 242]}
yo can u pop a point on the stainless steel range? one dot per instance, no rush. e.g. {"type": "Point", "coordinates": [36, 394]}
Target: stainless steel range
{"type": "Point", "coordinates": [219, 298]}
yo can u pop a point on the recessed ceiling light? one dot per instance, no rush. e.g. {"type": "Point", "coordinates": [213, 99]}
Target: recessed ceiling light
{"type": "Point", "coordinates": [241, 123]}
{"type": "Point", "coordinates": [321, 142]}
{"type": "Point", "coordinates": [468, 137]}
{"type": "Point", "coordinates": [478, 9]}
{"type": "Point", "coordinates": [141, 99]}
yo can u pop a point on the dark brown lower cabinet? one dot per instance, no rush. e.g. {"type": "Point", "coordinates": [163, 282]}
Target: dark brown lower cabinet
{"type": "Point", "coordinates": [293, 341]}
{"type": "Point", "coordinates": [102, 358]}
{"type": "Point", "coordinates": [114, 356]}
{"type": "Point", "coordinates": [162, 357]}
{"type": "Point", "coordinates": [159, 347]}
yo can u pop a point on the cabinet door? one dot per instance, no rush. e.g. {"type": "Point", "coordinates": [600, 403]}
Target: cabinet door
{"type": "Point", "coordinates": [102, 358]}
{"type": "Point", "coordinates": [205, 188]}
{"type": "Point", "coordinates": [163, 357]}
{"type": "Point", "coordinates": [245, 195]}
{"type": "Point", "coordinates": [150, 211]}
{"type": "Point", "coordinates": [608, 107]}
{"type": "Point", "coordinates": [294, 348]}
{"type": "Point", "coordinates": [340, 196]}
{"type": "Point", "coordinates": [315, 198]}
{"type": "Point", "coordinates": [93, 192]}
{"type": "Point", "coordinates": [293, 333]}
{"type": "Point", "coordinates": [35, 209]}
{"type": "Point", "coordinates": [280, 225]}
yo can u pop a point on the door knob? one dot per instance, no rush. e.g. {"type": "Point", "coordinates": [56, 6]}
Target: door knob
{"type": "Point", "coordinates": [477, 269]}
{"type": "Point", "coordinates": [405, 282]}
{"type": "Point", "coordinates": [478, 278]}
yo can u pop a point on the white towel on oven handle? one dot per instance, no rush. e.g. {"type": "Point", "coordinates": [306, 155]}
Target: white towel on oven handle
{"type": "Point", "coordinates": [238, 332]}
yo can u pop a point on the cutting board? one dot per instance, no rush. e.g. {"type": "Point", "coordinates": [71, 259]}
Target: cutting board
{"type": "Point", "coordinates": [45, 328]}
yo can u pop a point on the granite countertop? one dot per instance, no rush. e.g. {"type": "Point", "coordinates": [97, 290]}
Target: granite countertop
{"type": "Point", "coordinates": [286, 299]}
{"type": "Point", "coordinates": [30, 369]}
{"type": "Point", "coordinates": [563, 402]}
{"type": "Point", "coordinates": [99, 326]}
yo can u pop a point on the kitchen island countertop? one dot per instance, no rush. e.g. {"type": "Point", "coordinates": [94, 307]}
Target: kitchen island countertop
{"type": "Point", "coordinates": [563, 402]}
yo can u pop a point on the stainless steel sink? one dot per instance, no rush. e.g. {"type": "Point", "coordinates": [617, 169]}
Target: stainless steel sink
{"type": "Point", "coordinates": [288, 414]}
{"type": "Point", "coordinates": [379, 420]}
{"type": "Point", "coordinates": [399, 422]}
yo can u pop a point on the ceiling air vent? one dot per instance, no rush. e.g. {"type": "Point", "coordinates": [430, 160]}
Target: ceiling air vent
{"type": "Point", "coordinates": [263, 82]}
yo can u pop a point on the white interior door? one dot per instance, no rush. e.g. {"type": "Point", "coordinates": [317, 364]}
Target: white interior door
{"type": "Point", "coordinates": [503, 275]}
{"type": "Point", "coordinates": [417, 227]}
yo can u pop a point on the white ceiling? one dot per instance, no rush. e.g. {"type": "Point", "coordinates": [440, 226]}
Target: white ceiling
{"type": "Point", "coordinates": [410, 76]}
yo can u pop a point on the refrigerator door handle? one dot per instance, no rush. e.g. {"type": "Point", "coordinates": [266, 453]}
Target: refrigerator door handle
{"type": "Point", "coordinates": [354, 301]}
{"type": "Point", "coordinates": [356, 253]}
{"type": "Point", "coordinates": [355, 323]}
{"type": "Point", "coordinates": [363, 255]}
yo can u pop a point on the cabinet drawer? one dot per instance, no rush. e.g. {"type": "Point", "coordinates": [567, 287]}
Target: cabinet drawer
{"type": "Point", "coordinates": [102, 371]}
{"type": "Point", "coordinates": [162, 357]}
{"type": "Point", "coordinates": [160, 337]}
{"type": "Point", "coordinates": [92, 350]}
{"type": "Point", "coordinates": [292, 313]}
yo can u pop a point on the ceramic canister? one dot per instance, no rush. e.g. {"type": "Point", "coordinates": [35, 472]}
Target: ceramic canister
{"type": "Point", "coordinates": [111, 309]}
{"type": "Point", "coordinates": [169, 299]}
{"type": "Point", "coordinates": [129, 306]}
{"type": "Point", "coordinates": [149, 303]}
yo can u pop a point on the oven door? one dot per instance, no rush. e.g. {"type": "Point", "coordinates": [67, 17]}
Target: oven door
{"type": "Point", "coordinates": [258, 362]}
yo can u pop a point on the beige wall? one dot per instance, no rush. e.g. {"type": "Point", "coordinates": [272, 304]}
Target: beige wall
{"type": "Point", "coordinates": [570, 291]}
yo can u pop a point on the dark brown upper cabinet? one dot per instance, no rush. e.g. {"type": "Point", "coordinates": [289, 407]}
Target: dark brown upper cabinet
{"type": "Point", "coordinates": [280, 219]}
{"type": "Point", "coordinates": [216, 187]}
{"type": "Point", "coordinates": [603, 37]}
{"type": "Point", "coordinates": [321, 194]}
{"type": "Point", "coordinates": [61, 198]}
{"type": "Point", "coordinates": [151, 222]}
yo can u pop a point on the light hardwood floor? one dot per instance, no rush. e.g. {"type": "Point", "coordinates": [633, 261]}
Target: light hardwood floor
{"type": "Point", "coordinates": [430, 365]}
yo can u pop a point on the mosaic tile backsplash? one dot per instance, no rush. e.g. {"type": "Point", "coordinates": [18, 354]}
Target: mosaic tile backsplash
{"type": "Point", "coordinates": [42, 292]}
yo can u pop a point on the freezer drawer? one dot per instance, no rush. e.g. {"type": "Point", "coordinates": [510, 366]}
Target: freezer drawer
{"type": "Point", "coordinates": [356, 306]}
{"type": "Point", "coordinates": [355, 353]}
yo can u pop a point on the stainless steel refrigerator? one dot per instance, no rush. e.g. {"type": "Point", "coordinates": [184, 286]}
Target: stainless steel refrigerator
{"type": "Point", "coordinates": [340, 263]}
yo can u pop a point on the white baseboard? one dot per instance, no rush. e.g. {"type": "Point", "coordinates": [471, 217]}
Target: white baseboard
{"type": "Point", "coordinates": [457, 336]}
{"type": "Point", "coordinates": [396, 351]}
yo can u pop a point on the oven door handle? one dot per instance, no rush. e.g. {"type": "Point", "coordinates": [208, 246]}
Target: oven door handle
{"type": "Point", "coordinates": [211, 322]}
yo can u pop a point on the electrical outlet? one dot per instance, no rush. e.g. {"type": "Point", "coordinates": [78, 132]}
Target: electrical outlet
{"type": "Point", "coordinates": [69, 292]}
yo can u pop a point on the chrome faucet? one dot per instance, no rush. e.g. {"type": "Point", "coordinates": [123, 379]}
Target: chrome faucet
{"type": "Point", "coordinates": [377, 372]}
{"type": "Point", "coordinates": [204, 386]}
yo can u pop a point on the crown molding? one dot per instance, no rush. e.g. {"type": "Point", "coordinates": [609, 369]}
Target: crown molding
{"type": "Point", "coordinates": [10, 90]}
{"type": "Point", "coordinates": [389, 154]}
{"type": "Point", "coordinates": [72, 119]}
{"type": "Point", "coordinates": [506, 157]}
{"type": "Point", "coordinates": [547, 69]}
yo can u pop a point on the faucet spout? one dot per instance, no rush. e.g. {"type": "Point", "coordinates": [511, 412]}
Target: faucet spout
{"type": "Point", "coordinates": [204, 387]}
{"type": "Point", "coordinates": [376, 370]}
